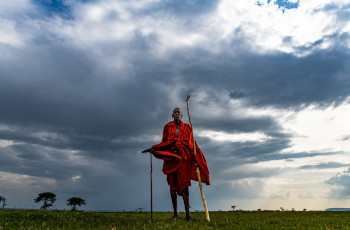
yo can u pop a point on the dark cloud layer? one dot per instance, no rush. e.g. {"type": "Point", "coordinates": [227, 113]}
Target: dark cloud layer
{"type": "Point", "coordinates": [279, 79]}
{"type": "Point", "coordinates": [70, 115]}
{"type": "Point", "coordinates": [104, 117]}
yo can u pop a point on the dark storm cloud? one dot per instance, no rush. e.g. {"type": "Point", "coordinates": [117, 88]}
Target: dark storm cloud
{"type": "Point", "coordinates": [231, 155]}
{"type": "Point", "coordinates": [277, 79]}
{"type": "Point", "coordinates": [98, 116]}
{"type": "Point", "coordinates": [66, 94]}
{"type": "Point", "coordinates": [62, 104]}
{"type": "Point", "coordinates": [57, 104]}
{"type": "Point", "coordinates": [232, 124]}
{"type": "Point", "coordinates": [249, 151]}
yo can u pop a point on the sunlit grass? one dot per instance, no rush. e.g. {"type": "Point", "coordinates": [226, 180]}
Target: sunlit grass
{"type": "Point", "coordinates": [34, 219]}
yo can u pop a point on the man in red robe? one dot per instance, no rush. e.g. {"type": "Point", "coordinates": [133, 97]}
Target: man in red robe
{"type": "Point", "coordinates": [176, 149]}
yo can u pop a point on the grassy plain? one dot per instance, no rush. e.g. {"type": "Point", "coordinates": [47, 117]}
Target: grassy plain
{"type": "Point", "coordinates": [34, 219]}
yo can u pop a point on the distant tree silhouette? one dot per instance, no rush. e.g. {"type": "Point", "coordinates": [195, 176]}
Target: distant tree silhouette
{"type": "Point", "coordinates": [3, 200]}
{"type": "Point", "coordinates": [74, 201]}
{"type": "Point", "coordinates": [47, 197]}
{"type": "Point", "coordinates": [233, 207]}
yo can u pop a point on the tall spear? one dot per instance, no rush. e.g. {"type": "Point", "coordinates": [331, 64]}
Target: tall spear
{"type": "Point", "coordinates": [197, 170]}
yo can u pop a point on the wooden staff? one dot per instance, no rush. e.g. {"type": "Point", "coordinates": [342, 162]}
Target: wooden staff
{"type": "Point", "coordinates": [197, 170]}
{"type": "Point", "coordinates": [151, 189]}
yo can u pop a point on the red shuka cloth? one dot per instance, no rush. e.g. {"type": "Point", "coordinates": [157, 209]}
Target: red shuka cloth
{"type": "Point", "coordinates": [179, 162]}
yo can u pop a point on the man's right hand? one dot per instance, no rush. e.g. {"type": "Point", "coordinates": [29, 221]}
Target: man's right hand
{"type": "Point", "coordinates": [150, 150]}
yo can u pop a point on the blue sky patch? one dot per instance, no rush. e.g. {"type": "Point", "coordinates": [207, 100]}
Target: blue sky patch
{"type": "Point", "coordinates": [286, 4]}
{"type": "Point", "coordinates": [54, 7]}
{"type": "Point", "coordinates": [282, 4]}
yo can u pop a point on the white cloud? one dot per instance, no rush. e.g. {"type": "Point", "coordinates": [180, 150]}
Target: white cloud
{"type": "Point", "coordinates": [76, 178]}
{"type": "Point", "coordinates": [264, 27]}
{"type": "Point", "coordinates": [9, 7]}
{"type": "Point", "coordinates": [46, 136]}
{"type": "Point", "coordinates": [267, 27]}
{"type": "Point", "coordinates": [319, 129]}
{"type": "Point", "coordinates": [9, 34]}
{"type": "Point", "coordinates": [239, 137]}
{"type": "Point", "coordinates": [4, 143]}
{"type": "Point", "coordinates": [313, 128]}
{"type": "Point", "coordinates": [23, 183]}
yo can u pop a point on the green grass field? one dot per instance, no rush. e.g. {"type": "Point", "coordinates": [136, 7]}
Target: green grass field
{"type": "Point", "coordinates": [34, 219]}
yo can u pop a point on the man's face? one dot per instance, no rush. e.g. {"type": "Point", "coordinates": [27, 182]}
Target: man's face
{"type": "Point", "coordinates": [177, 114]}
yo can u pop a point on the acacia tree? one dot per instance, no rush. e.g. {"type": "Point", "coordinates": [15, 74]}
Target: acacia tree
{"type": "Point", "coordinates": [3, 200]}
{"type": "Point", "coordinates": [47, 197]}
{"type": "Point", "coordinates": [74, 201]}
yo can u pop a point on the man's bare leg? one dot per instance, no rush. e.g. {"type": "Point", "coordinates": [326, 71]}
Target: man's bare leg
{"type": "Point", "coordinates": [174, 201]}
{"type": "Point", "coordinates": [187, 207]}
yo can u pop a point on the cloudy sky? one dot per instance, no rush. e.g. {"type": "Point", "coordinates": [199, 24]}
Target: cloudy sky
{"type": "Point", "coordinates": [85, 85]}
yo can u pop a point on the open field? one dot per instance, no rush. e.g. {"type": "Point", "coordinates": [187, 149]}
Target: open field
{"type": "Point", "coordinates": [34, 219]}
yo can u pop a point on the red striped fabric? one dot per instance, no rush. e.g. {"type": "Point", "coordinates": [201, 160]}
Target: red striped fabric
{"type": "Point", "coordinates": [179, 161]}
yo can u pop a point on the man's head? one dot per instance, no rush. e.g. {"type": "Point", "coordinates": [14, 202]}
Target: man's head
{"type": "Point", "coordinates": [177, 114]}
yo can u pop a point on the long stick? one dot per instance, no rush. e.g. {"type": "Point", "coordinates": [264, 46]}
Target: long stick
{"type": "Point", "coordinates": [197, 170]}
{"type": "Point", "coordinates": [151, 189]}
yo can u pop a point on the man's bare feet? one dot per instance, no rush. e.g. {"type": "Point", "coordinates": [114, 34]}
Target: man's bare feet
{"type": "Point", "coordinates": [190, 218]}
{"type": "Point", "coordinates": [175, 217]}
